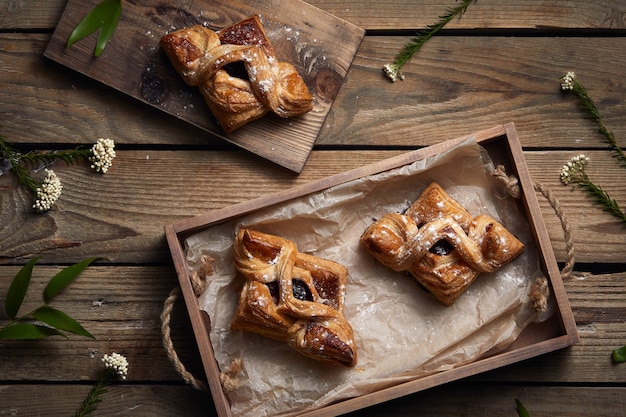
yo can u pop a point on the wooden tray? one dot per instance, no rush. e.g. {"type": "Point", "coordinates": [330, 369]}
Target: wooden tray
{"type": "Point", "coordinates": [504, 148]}
{"type": "Point", "coordinates": [134, 63]}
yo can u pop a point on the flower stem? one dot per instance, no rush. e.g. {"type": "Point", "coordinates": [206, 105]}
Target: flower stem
{"type": "Point", "coordinates": [69, 157]}
{"type": "Point", "coordinates": [94, 397]}
{"type": "Point", "coordinates": [603, 199]}
{"type": "Point", "coordinates": [393, 71]}
{"type": "Point", "coordinates": [592, 111]}
{"type": "Point", "coordinates": [24, 176]}
{"type": "Point", "coordinates": [19, 162]}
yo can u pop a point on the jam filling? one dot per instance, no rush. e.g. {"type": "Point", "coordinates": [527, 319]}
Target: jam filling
{"type": "Point", "coordinates": [441, 248]}
{"type": "Point", "coordinates": [301, 291]}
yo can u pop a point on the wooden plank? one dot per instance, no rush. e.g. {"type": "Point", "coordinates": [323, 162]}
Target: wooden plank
{"type": "Point", "coordinates": [457, 399]}
{"type": "Point", "coordinates": [494, 80]}
{"type": "Point", "coordinates": [125, 318]}
{"type": "Point", "coordinates": [450, 401]}
{"type": "Point", "coordinates": [396, 14]}
{"type": "Point", "coordinates": [135, 64]}
{"type": "Point", "coordinates": [121, 215]}
{"type": "Point", "coordinates": [499, 14]}
{"type": "Point", "coordinates": [121, 306]}
{"type": "Point", "coordinates": [149, 400]}
{"type": "Point", "coordinates": [457, 82]}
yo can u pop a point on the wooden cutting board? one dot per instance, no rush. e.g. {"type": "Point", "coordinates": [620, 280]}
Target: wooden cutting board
{"type": "Point", "coordinates": [320, 45]}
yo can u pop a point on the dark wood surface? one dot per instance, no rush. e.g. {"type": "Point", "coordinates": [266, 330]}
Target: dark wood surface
{"type": "Point", "coordinates": [500, 63]}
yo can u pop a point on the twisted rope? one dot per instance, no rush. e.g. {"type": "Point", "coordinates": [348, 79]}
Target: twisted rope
{"type": "Point", "coordinates": [512, 185]}
{"type": "Point", "coordinates": [169, 346]}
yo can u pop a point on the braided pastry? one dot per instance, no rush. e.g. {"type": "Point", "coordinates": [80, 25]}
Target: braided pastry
{"type": "Point", "coordinates": [201, 57]}
{"type": "Point", "coordinates": [293, 297]}
{"type": "Point", "coordinates": [438, 242]}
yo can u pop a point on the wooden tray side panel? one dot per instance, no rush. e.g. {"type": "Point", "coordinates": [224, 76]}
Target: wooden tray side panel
{"type": "Point", "coordinates": [538, 227]}
{"type": "Point", "coordinates": [199, 325]}
{"type": "Point", "coordinates": [134, 64]}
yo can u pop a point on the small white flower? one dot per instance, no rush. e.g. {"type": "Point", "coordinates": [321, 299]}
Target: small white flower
{"type": "Point", "coordinates": [116, 363]}
{"type": "Point", "coordinates": [103, 153]}
{"type": "Point", "coordinates": [567, 82]}
{"type": "Point", "coordinates": [48, 193]}
{"type": "Point", "coordinates": [392, 72]}
{"type": "Point", "coordinates": [574, 170]}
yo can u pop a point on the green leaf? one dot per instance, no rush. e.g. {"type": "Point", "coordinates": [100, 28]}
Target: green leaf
{"type": "Point", "coordinates": [521, 411]}
{"type": "Point", "coordinates": [619, 355]}
{"type": "Point", "coordinates": [103, 17]}
{"type": "Point", "coordinates": [28, 331]}
{"type": "Point", "coordinates": [64, 278]}
{"type": "Point", "coordinates": [18, 288]}
{"type": "Point", "coordinates": [60, 320]}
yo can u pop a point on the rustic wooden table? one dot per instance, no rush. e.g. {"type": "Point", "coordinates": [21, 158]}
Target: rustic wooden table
{"type": "Point", "coordinates": [500, 63]}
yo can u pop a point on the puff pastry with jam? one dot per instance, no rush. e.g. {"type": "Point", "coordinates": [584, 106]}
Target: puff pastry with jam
{"type": "Point", "coordinates": [440, 244]}
{"type": "Point", "coordinates": [202, 57]}
{"type": "Point", "coordinates": [293, 297]}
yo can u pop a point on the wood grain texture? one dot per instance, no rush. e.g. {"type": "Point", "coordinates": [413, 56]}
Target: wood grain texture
{"type": "Point", "coordinates": [499, 63]}
{"type": "Point", "coordinates": [121, 307]}
{"type": "Point", "coordinates": [457, 85]}
{"type": "Point", "coordinates": [120, 215]}
{"type": "Point", "coordinates": [458, 82]}
{"type": "Point", "coordinates": [134, 63]}
{"type": "Point", "coordinates": [168, 400]}
{"type": "Point", "coordinates": [397, 14]}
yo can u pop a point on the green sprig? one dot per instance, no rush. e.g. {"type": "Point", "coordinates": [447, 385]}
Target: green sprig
{"type": "Point", "coordinates": [44, 321]}
{"type": "Point", "coordinates": [571, 83]}
{"type": "Point", "coordinates": [394, 71]}
{"type": "Point", "coordinates": [24, 177]}
{"type": "Point", "coordinates": [94, 397]}
{"type": "Point", "coordinates": [115, 365]}
{"type": "Point", "coordinates": [603, 199]}
{"type": "Point", "coordinates": [574, 173]}
{"type": "Point", "coordinates": [21, 162]}
{"type": "Point", "coordinates": [70, 157]}
{"type": "Point", "coordinates": [103, 18]}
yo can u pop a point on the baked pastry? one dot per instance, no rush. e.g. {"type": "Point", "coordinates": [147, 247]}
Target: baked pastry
{"type": "Point", "coordinates": [293, 297]}
{"type": "Point", "coordinates": [438, 242]}
{"type": "Point", "coordinates": [202, 57]}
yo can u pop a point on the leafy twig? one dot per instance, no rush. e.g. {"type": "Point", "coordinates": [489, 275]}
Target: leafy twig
{"type": "Point", "coordinates": [394, 71]}
{"type": "Point", "coordinates": [104, 18]}
{"type": "Point", "coordinates": [569, 82]}
{"type": "Point", "coordinates": [574, 173]}
{"type": "Point", "coordinates": [44, 321]}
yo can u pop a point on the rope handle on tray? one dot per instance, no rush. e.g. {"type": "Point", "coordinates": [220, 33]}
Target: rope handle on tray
{"type": "Point", "coordinates": [509, 181]}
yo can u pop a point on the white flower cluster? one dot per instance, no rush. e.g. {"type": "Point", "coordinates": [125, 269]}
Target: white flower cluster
{"type": "Point", "coordinates": [574, 170]}
{"type": "Point", "coordinates": [117, 363]}
{"type": "Point", "coordinates": [48, 193]}
{"type": "Point", "coordinates": [103, 153]}
{"type": "Point", "coordinates": [392, 72]}
{"type": "Point", "coordinates": [567, 82]}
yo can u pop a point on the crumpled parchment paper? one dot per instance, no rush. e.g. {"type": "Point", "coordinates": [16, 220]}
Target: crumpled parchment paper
{"type": "Point", "coordinates": [401, 332]}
